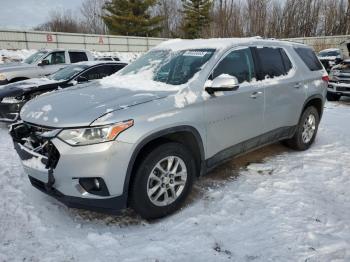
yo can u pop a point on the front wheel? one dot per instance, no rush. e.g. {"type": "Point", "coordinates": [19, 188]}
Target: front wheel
{"type": "Point", "coordinates": [306, 130]}
{"type": "Point", "coordinates": [162, 181]}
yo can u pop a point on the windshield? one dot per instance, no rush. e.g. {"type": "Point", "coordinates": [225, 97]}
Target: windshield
{"type": "Point", "coordinates": [67, 73]}
{"type": "Point", "coordinates": [170, 67]}
{"type": "Point", "coordinates": [34, 57]}
{"type": "Point", "coordinates": [329, 53]}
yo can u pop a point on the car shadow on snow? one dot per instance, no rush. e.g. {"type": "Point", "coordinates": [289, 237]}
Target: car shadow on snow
{"type": "Point", "coordinates": [217, 178]}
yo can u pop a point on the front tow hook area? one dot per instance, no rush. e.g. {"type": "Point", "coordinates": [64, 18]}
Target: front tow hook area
{"type": "Point", "coordinates": [51, 164]}
{"type": "Point", "coordinates": [51, 180]}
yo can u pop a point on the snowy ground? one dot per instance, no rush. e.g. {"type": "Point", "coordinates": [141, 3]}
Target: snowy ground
{"type": "Point", "coordinates": [271, 205]}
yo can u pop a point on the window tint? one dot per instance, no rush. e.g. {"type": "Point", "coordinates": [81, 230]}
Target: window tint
{"type": "Point", "coordinates": [77, 57]}
{"type": "Point", "coordinates": [180, 68]}
{"type": "Point", "coordinates": [56, 58]}
{"type": "Point", "coordinates": [309, 58]}
{"type": "Point", "coordinates": [238, 63]}
{"type": "Point", "coordinates": [271, 61]}
{"type": "Point", "coordinates": [115, 68]}
{"type": "Point", "coordinates": [97, 72]}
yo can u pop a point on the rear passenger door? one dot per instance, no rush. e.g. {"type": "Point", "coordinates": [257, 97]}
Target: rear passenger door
{"type": "Point", "coordinates": [234, 116]}
{"type": "Point", "coordinates": [97, 72]}
{"type": "Point", "coordinates": [76, 57]}
{"type": "Point", "coordinates": [284, 88]}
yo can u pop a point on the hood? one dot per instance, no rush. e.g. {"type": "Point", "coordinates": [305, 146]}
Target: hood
{"type": "Point", "coordinates": [25, 86]}
{"type": "Point", "coordinates": [15, 67]}
{"type": "Point", "coordinates": [11, 64]}
{"type": "Point", "coordinates": [81, 105]}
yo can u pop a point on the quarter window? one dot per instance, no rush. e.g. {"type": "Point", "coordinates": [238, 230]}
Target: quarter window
{"type": "Point", "coordinates": [309, 58]}
{"type": "Point", "coordinates": [238, 63]}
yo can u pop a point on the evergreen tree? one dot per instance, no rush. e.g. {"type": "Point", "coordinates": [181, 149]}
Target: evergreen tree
{"type": "Point", "coordinates": [131, 17]}
{"type": "Point", "coordinates": [196, 17]}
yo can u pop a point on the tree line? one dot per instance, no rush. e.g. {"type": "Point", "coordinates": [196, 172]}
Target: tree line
{"type": "Point", "coordinates": [205, 18]}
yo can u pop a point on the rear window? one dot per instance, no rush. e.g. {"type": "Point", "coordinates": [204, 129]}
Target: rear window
{"type": "Point", "coordinates": [309, 58]}
{"type": "Point", "coordinates": [274, 62]}
{"type": "Point", "coordinates": [76, 57]}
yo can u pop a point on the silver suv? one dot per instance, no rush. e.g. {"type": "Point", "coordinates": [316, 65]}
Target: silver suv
{"type": "Point", "coordinates": [141, 137]}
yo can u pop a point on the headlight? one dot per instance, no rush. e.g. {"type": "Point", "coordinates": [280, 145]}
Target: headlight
{"type": "Point", "coordinates": [94, 135]}
{"type": "Point", "coordinates": [2, 77]}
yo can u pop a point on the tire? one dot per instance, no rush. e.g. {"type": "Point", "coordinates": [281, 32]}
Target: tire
{"type": "Point", "coordinates": [333, 97]}
{"type": "Point", "coordinates": [149, 177]}
{"type": "Point", "coordinates": [299, 141]}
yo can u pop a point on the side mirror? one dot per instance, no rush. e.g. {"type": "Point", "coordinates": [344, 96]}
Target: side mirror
{"type": "Point", "coordinates": [44, 63]}
{"type": "Point", "coordinates": [223, 83]}
{"type": "Point", "coordinates": [81, 79]}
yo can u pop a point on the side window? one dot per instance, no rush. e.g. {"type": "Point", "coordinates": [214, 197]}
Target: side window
{"type": "Point", "coordinates": [97, 72]}
{"type": "Point", "coordinates": [56, 58]}
{"type": "Point", "coordinates": [76, 57]}
{"type": "Point", "coordinates": [309, 58]}
{"type": "Point", "coordinates": [271, 61]}
{"type": "Point", "coordinates": [238, 63]}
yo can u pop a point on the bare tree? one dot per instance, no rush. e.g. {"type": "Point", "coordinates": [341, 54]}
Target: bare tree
{"type": "Point", "coordinates": [60, 21]}
{"type": "Point", "coordinates": [170, 10]}
{"type": "Point", "coordinates": [92, 11]}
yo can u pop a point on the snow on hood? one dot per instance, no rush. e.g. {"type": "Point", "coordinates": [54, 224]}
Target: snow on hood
{"type": "Point", "coordinates": [21, 87]}
{"type": "Point", "coordinates": [15, 67]}
{"type": "Point", "coordinates": [81, 105]}
{"type": "Point", "coordinates": [29, 83]}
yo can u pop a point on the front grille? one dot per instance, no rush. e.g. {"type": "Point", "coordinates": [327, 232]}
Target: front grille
{"type": "Point", "coordinates": [36, 140]}
{"type": "Point", "coordinates": [345, 81]}
{"type": "Point", "coordinates": [343, 88]}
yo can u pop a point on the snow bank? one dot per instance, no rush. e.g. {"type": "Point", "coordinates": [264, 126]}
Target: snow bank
{"type": "Point", "coordinates": [14, 55]}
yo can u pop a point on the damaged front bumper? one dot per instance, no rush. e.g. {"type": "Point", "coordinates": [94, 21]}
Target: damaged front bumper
{"type": "Point", "coordinates": [64, 172]}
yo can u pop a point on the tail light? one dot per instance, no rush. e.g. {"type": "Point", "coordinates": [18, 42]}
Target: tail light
{"type": "Point", "coordinates": [325, 78]}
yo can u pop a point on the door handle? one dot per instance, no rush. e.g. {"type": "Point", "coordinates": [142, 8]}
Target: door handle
{"type": "Point", "coordinates": [255, 95]}
{"type": "Point", "coordinates": [297, 86]}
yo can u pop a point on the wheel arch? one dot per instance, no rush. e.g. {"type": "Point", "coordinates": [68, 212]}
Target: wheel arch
{"type": "Point", "coordinates": [317, 101]}
{"type": "Point", "coordinates": [187, 135]}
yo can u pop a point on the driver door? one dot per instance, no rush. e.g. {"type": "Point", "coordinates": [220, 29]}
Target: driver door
{"type": "Point", "coordinates": [56, 60]}
{"type": "Point", "coordinates": [235, 116]}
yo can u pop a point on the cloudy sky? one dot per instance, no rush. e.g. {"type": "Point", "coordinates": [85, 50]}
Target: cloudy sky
{"type": "Point", "coordinates": [28, 13]}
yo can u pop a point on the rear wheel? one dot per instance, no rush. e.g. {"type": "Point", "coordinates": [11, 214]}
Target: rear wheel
{"type": "Point", "coordinates": [163, 181]}
{"type": "Point", "coordinates": [333, 97]}
{"type": "Point", "coordinates": [306, 130]}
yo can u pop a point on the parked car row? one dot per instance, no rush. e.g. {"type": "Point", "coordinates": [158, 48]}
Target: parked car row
{"type": "Point", "coordinates": [13, 96]}
{"type": "Point", "coordinates": [140, 137]}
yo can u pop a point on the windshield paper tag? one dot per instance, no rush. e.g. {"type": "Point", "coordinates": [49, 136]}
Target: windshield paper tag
{"type": "Point", "coordinates": [195, 53]}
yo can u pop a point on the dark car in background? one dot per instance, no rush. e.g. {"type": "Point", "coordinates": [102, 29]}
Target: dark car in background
{"type": "Point", "coordinates": [339, 84]}
{"type": "Point", "coordinates": [13, 96]}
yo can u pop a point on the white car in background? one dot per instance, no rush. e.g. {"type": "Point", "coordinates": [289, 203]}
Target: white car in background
{"type": "Point", "coordinates": [332, 55]}
{"type": "Point", "coordinates": [41, 63]}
